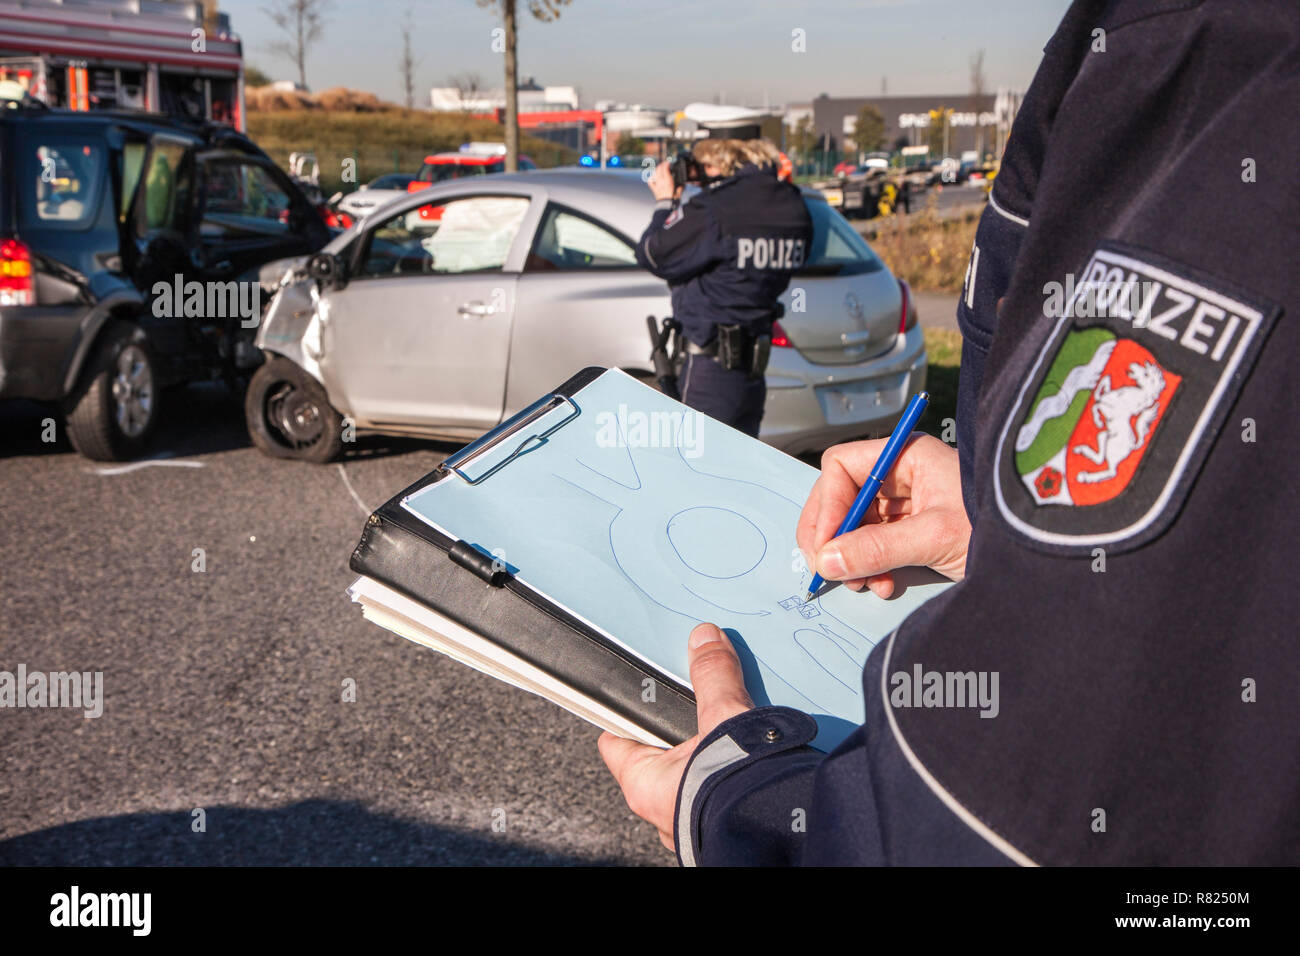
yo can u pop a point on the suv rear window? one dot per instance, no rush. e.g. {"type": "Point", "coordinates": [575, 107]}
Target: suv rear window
{"type": "Point", "coordinates": [61, 183]}
{"type": "Point", "coordinates": [837, 249]}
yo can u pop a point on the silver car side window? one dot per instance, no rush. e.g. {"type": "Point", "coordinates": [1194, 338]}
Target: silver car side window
{"type": "Point", "coordinates": [469, 234]}
{"type": "Point", "coordinates": [569, 241]}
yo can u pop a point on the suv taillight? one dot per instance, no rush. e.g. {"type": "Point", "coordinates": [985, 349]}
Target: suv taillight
{"type": "Point", "coordinates": [16, 287]}
{"type": "Point", "coordinates": [905, 321]}
{"type": "Point", "coordinates": [779, 339]}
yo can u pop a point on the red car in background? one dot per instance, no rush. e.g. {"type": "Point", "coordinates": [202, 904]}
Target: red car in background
{"type": "Point", "coordinates": [472, 159]}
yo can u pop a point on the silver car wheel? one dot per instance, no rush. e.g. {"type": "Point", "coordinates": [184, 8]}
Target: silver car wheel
{"type": "Point", "coordinates": [132, 391]}
{"type": "Point", "coordinates": [295, 416]}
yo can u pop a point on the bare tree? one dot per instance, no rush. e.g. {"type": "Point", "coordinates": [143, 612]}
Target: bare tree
{"type": "Point", "coordinates": [301, 21]}
{"type": "Point", "coordinates": [408, 62]}
{"type": "Point", "coordinates": [543, 10]}
{"type": "Point", "coordinates": [978, 84]}
{"type": "Point", "coordinates": [467, 86]}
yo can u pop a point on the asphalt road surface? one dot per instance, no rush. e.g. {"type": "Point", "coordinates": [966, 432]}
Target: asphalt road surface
{"type": "Point", "coordinates": [223, 688]}
{"type": "Point", "coordinates": [937, 310]}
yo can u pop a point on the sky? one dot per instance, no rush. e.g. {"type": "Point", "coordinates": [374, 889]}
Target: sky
{"type": "Point", "coordinates": [670, 52]}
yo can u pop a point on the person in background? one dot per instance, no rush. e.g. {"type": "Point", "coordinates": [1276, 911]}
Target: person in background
{"type": "Point", "coordinates": [728, 254]}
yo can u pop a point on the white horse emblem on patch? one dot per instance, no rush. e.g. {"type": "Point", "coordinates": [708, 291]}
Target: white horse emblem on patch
{"type": "Point", "coordinates": [1124, 416]}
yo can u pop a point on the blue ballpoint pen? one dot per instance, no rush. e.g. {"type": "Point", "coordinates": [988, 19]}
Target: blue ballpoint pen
{"type": "Point", "coordinates": [893, 448]}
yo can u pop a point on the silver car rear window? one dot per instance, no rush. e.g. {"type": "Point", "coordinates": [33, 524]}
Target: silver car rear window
{"type": "Point", "coordinates": [837, 249]}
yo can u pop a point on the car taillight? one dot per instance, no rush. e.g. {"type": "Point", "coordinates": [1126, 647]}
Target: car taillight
{"type": "Point", "coordinates": [905, 321]}
{"type": "Point", "coordinates": [16, 287]}
{"type": "Point", "coordinates": [779, 339]}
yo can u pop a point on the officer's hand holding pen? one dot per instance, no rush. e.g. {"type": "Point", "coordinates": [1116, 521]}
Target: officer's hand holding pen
{"type": "Point", "coordinates": [917, 519]}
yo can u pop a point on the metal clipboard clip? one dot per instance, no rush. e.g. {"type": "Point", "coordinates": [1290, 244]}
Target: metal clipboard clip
{"type": "Point", "coordinates": [509, 429]}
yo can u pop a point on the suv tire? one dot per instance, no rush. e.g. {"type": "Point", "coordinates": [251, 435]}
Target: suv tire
{"type": "Point", "coordinates": [114, 410]}
{"type": "Point", "coordinates": [289, 414]}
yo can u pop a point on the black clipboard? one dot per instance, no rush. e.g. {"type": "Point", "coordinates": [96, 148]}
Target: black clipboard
{"type": "Point", "coordinates": [461, 583]}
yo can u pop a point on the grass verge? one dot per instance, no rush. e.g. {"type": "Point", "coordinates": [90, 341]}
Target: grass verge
{"type": "Point", "coordinates": [929, 251]}
{"type": "Point", "coordinates": [943, 346]}
{"type": "Point", "coordinates": [385, 141]}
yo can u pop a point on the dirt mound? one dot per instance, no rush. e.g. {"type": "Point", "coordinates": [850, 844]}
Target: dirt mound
{"type": "Point", "coordinates": [352, 101]}
{"type": "Point", "coordinates": [338, 99]}
{"type": "Point", "coordinates": [269, 98]}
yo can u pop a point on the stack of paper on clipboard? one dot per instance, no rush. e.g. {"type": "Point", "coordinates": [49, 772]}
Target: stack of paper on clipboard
{"type": "Point", "coordinates": [570, 551]}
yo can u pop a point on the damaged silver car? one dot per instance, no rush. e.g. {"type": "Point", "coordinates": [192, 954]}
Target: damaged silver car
{"type": "Point", "coordinates": [448, 310]}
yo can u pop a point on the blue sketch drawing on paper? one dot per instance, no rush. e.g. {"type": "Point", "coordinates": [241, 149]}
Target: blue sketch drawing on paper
{"type": "Point", "coordinates": [644, 520]}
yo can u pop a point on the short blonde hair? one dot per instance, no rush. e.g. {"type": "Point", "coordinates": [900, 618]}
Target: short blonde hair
{"type": "Point", "coordinates": [730, 154]}
{"type": "Point", "coordinates": [762, 152]}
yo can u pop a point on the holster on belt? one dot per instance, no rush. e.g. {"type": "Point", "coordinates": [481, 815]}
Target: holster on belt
{"type": "Point", "coordinates": [665, 353]}
{"type": "Point", "coordinates": [736, 347]}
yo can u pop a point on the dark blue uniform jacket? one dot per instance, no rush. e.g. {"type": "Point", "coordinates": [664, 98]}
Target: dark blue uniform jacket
{"type": "Point", "coordinates": [1128, 424]}
{"type": "Point", "coordinates": [728, 252]}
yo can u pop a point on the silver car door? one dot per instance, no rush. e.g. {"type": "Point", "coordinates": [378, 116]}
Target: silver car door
{"type": "Point", "coordinates": [421, 333]}
{"type": "Point", "coordinates": [582, 300]}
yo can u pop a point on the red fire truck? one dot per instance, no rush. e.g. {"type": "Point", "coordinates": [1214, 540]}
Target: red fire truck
{"type": "Point", "coordinates": [180, 58]}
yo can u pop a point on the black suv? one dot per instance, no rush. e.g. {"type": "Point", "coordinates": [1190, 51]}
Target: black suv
{"type": "Point", "coordinates": [129, 251]}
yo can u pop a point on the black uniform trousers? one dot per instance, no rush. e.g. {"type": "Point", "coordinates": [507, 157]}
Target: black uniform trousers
{"type": "Point", "coordinates": [732, 397]}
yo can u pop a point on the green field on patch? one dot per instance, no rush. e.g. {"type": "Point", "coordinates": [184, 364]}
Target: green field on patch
{"type": "Point", "coordinates": [1077, 349]}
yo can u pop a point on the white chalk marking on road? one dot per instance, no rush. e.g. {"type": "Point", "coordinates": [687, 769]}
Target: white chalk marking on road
{"type": "Point", "coordinates": [162, 460]}
{"type": "Point", "coordinates": [352, 491]}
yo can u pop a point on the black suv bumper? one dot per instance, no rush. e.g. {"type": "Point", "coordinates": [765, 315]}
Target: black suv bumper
{"type": "Point", "coordinates": [36, 345]}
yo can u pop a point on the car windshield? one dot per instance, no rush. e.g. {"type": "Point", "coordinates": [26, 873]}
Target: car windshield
{"type": "Point", "coordinates": [391, 181]}
{"type": "Point", "coordinates": [837, 249]}
{"type": "Point", "coordinates": [441, 172]}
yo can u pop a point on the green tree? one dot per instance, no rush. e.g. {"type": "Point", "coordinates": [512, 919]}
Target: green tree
{"type": "Point", "coordinates": [803, 138]}
{"type": "Point", "coordinates": [869, 134]}
{"type": "Point", "coordinates": [629, 145]}
{"type": "Point", "coordinates": [936, 134]}
{"type": "Point", "coordinates": [543, 10]}
{"type": "Point", "coordinates": [254, 77]}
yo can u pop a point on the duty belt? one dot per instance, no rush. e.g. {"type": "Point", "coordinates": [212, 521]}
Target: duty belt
{"type": "Point", "coordinates": [735, 347]}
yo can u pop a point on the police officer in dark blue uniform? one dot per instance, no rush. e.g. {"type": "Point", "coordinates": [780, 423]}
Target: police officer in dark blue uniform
{"type": "Point", "coordinates": [728, 255]}
{"type": "Point", "coordinates": [1128, 415]}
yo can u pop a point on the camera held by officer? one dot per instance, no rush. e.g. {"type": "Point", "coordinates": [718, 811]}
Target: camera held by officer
{"type": "Point", "coordinates": [727, 251]}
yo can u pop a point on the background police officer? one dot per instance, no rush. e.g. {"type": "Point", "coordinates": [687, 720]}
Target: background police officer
{"type": "Point", "coordinates": [727, 254]}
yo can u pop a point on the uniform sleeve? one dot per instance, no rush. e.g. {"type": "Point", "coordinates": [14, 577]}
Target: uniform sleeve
{"type": "Point", "coordinates": [988, 274]}
{"type": "Point", "coordinates": [680, 242]}
{"type": "Point", "coordinates": [744, 797]}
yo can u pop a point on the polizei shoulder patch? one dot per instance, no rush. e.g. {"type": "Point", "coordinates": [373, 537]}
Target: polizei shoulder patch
{"type": "Point", "coordinates": [1114, 420]}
